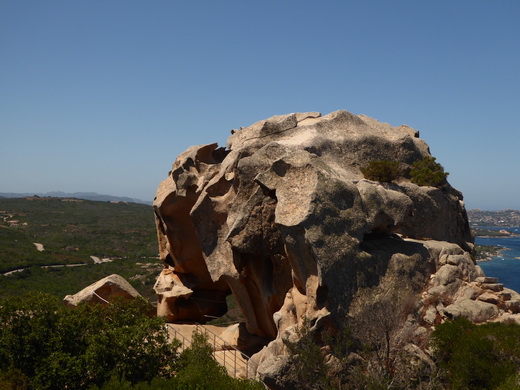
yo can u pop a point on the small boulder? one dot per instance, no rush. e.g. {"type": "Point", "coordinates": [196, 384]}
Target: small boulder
{"type": "Point", "coordinates": [470, 292]}
{"type": "Point", "coordinates": [493, 286]}
{"type": "Point", "coordinates": [513, 305]}
{"type": "Point", "coordinates": [447, 274]}
{"type": "Point", "coordinates": [486, 279]}
{"type": "Point", "coordinates": [430, 315]}
{"type": "Point", "coordinates": [475, 311]}
{"type": "Point", "coordinates": [489, 297]}
{"type": "Point", "coordinates": [103, 291]}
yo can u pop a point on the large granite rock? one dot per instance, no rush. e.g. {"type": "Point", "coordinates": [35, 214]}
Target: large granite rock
{"type": "Point", "coordinates": [284, 219]}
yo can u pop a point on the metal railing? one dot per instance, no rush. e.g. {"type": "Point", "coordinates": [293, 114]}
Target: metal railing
{"type": "Point", "coordinates": [237, 363]}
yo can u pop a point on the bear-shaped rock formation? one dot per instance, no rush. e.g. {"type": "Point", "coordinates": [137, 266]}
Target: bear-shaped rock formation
{"type": "Point", "coordinates": [284, 219]}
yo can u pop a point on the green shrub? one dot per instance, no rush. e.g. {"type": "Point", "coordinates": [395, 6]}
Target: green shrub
{"type": "Point", "coordinates": [307, 368]}
{"type": "Point", "coordinates": [195, 370]}
{"type": "Point", "coordinates": [428, 172]}
{"type": "Point", "coordinates": [478, 356]}
{"type": "Point", "coordinates": [56, 347]}
{"type": "Point", "coordinates": [46, 345]}
{"type": "Point", "coordinates": [382, 170]}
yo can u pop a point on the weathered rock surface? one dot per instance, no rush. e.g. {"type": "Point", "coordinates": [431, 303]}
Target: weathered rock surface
{"type": "Point", "coordinates": [284, 219]}
{"type": "Point", "coordinates": [103, 291]}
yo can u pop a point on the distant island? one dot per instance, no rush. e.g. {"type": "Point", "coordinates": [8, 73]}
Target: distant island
{"type": "Point", "coordinates": [79, 195]}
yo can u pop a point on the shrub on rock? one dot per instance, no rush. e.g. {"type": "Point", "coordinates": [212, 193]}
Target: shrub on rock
{"type": "Point", "coordinates": [381, 170]}
{"type": "Point", "coordinates": [428, 172]}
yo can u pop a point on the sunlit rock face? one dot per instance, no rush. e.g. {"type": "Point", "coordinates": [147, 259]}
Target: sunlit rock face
{"type": "Point", "coordinates": [104, 291]}
{"type": "Point", "coordinates": [284, 219]}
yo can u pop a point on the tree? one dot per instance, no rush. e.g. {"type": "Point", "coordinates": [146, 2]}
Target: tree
{"type": "Point", "coordinates": [58, 347]}
{"type": "Point", "coordinates": [197, 370]}
{"type": "Point", "coordinates": [307, 365]}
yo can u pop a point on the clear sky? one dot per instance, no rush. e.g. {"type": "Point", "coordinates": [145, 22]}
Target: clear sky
{"type": "Point", "coordinates": [103, 95]}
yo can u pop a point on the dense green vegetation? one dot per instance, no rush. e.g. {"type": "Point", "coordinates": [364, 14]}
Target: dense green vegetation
{"type": "Point", "coordinates": [55, 347]}
{"type": "Point", "coordinates": [72, 230]}
{"type": "Point", "coordinates": [383, 170]}
{"type": "Point", "coordinates": [428, 172]}
{"type": "Point", "coordinates": [46, 345]}
{"type": "Point", "coordinates": [473, 356]}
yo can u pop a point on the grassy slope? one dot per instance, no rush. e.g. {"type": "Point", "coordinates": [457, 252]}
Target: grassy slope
{"type": "Point", "coordinates": [71, 232]}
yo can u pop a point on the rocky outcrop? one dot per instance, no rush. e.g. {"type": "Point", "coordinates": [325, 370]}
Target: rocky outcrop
{"type": "Point", "coordinates": [284, 220]}
{"type": "Point", "coordinates": [103, 291]}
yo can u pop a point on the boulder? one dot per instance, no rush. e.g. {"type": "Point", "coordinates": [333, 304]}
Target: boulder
{"type": "Point", "coordinates": [103, 291]}
{"type": "Point", "coordinates": [476, 311]}
{"type": "Point", "coordinates": [489, 298]}
{"type": "Point", "coordinates": [284, 219]}
{"type": "Point", "coordinates": [486, 279]}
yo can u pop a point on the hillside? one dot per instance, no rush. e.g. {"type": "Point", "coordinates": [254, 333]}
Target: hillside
{"type": "Point", "coordinates": [79, 195]}
{"type": "Point", "coordinates": [98, 238]}
{"type": "Point", "coordinates": [503, 218]}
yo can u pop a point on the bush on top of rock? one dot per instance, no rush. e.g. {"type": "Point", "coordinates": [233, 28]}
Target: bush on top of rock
{"type": "Point", "coordinates": [428, 172]}
{"type": "Point", "coordinates": [381, 170]}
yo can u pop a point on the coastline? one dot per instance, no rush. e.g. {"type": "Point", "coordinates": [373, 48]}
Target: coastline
{"type": "Point", "coordinates": [488, 256]}
{"type": "Point", "coordinates": [490, 252]}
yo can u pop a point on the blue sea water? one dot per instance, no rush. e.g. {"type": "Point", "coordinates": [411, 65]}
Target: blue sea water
{"type": "Point", "coordinates": [506, 266]}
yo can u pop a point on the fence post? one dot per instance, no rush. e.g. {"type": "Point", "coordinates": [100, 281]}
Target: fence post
{"type": "Point", "coordinates": [235, 352]}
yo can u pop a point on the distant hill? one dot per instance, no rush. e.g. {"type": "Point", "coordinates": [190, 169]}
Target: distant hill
{"type": "Point", "coordinates": [79, 195]}
{"type": "Point", "coordinates": [503, 218]}
{"type": "Point", "coordinates": [64, 244]}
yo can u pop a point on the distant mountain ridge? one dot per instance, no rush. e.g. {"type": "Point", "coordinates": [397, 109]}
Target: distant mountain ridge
{"type": "Point", "coordinates": [80, 195]}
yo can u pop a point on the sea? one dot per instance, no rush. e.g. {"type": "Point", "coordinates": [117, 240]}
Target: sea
{"type": "Point", "coordinates": [505, 266]}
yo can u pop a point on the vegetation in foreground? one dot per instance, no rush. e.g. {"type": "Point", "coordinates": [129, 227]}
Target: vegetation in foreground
{"type": "Point", "coordinates": [45, 345]}
{"type": "Point", "coordinates": [473, 356]}
{"type": "Point", "coordinates": [373, 353]}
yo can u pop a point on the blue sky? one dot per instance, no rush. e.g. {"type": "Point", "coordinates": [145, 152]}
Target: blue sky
{"type": "Point", "coordinates": [103, 95]}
